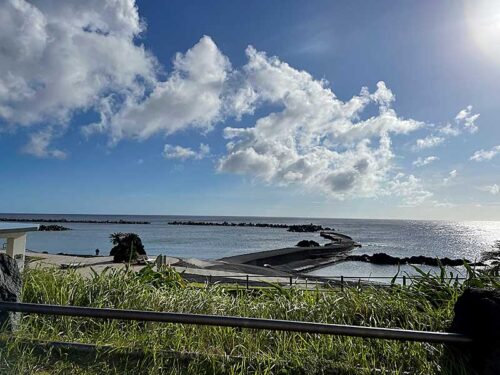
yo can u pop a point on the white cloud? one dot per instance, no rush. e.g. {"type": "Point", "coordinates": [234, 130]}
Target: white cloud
{"type": "Point", "coordinates": [315, 140]}
{"type": "Point", "coordinates": [467, 119]}
{"type": "Point", "coordinates": [482, 155]}
{"type": "Point", "coordinates": [58, 59]}
{"type": "Point", "coordinates": [61, 57]}
{"type": "Point", "coordinates": [39, 145]}
{"type": "Point", "coordinates": [451, 176]}
{"type": "Point", "coordinates": [428, 142]}
{"type": "Point", "coordinates": [183, 153]}
{"type": "Point", "coordinates": [420, 162]}
{"type": "Point", "coordinates": [410, 189]}
{"type": "Point", "coordinates": [449, 130]}
{"type": "Point", "coordinates": [492, 189]}
{"type": "Point", "coordinates": [190, 97]}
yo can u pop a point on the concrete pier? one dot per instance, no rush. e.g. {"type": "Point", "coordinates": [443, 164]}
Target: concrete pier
{"type": "Point", "coordinates": [297, 258]}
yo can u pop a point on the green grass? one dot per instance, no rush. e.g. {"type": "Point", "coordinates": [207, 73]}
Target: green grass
{"type": "Point", "coordinates": [157, 348]}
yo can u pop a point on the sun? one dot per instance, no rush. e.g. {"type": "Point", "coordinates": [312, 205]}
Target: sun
{"type": "Point", "coordinates": [483, 21]}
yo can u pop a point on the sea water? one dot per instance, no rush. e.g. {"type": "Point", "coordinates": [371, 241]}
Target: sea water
{"type": "Point", "coordinates": [399, 238]}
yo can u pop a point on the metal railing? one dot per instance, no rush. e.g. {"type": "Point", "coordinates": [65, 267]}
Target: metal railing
{"type": "Point", "coordinates": [302, 280]}
{"type": "Point", "coordinates": [239, 322]}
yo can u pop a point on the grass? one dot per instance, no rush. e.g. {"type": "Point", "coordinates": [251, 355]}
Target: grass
{"type": "Point", "coordinates": [156, 348]}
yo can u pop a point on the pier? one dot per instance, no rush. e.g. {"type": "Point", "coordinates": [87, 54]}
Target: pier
{"type": "Point", "coordinates": [299, 259]}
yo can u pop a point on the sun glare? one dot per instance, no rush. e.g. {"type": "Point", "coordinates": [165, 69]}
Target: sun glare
{"type": "Point", "coordinates": [483, 19]}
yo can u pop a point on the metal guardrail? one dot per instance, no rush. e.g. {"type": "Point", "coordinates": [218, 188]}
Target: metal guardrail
{"type": "Point", "coordinates": [335, 278]}
{"type": "Point", "coordinates": [299, 280]}
{"type": "Point", "coordinates": [239, 322]}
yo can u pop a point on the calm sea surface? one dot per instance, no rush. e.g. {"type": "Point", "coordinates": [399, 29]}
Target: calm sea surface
{"type": "Point", "coordinates": [394, 237]}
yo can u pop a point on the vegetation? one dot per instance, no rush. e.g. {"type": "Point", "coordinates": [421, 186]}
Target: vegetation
{"type": "Point", "coordinates": [128, 246]}
{"type": "Point", "coordinates": [156, 348]}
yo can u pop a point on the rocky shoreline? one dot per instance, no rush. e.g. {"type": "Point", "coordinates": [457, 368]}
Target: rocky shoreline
{"type": "Point", "coordinates": [388, 260]}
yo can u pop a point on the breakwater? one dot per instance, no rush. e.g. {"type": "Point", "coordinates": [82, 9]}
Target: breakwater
{"type": "Point", "coordinates": [298, 259]}
{"type": "Point", "coordinates": [385, 259]}
{"type": "Point", "coordinates": [62, 220]}
{"type": "Point", "coordinates": [300, 228]}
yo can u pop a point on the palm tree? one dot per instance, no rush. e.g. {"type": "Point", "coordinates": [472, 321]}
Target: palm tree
{"type": "Point", "coordinates": [127, 247]}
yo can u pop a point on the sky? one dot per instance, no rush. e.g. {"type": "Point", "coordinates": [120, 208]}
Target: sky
{"type": "Point", "coordinates": [344, 109]}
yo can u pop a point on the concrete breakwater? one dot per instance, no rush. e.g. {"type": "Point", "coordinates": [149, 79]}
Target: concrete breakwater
{"type": "Point", "coordinates": [301, 259]}
{"type": "Point", "coordinates": [298, 259]}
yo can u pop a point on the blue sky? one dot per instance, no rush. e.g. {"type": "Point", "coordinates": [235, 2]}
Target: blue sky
{"type": "Point", "coordinates": [323, 109]}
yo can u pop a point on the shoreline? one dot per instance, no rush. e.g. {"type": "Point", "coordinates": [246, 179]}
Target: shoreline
{"type": "Point", "coordinates": [62, 220]}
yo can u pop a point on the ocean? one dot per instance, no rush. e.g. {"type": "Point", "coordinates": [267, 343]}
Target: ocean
{"type": "Point", "coordinates": [453, 239]}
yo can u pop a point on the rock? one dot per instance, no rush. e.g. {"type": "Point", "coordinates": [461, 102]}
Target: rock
{"type": "Point", "coordinates": [10, 289]}
{"type": "Point", "coordinates": [305, 228]}
{"type": "Point", "coordinates": [307, 243]}
{"type": "Point", "coordinates": [385, 259]}
{"type": "Point", "coordinates": [52, 228]}
{"type": "Point", "coordinates": [477, 313]}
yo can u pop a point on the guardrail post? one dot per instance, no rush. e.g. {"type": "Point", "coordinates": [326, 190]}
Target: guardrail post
{"type": "Point", "coordinates": [291, 281]}
{"type": "Point", "coordinates": [248, 282]}
{"type": "Point", "coordinates": [342, 283]}
{"type": "Point", "coordinates": [209, 279]}
{"type": "Point", "coordinates": [404, 280]}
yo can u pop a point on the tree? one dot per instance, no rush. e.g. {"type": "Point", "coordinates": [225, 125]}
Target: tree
{"type": "Point", "coordinates": [127, 247]}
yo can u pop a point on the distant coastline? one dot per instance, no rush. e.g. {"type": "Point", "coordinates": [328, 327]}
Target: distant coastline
{"type": "Point", "coordinates": [61, 220]}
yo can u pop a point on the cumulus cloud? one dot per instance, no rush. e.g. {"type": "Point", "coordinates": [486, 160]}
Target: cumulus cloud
{"type": "Point", "coordinates": [420, 162]}
{"type": "Point", "coordinates": [184, 153]}
{"type": "Point", "coordinates": [467, 119]}
{"type": "Point", "coordinates": [58, 58]}
{"type": "Point", "coordinates": [482, 155]}
{"type": "Point", "coordinates": [428, 142]}
{"type": "Point", "coordinates": [316, 140]}
{"type": "Point", "coordinates": [190, 97]}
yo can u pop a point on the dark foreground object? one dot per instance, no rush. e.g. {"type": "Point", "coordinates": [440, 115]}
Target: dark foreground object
{"type": "Point", "coordinates": [477, 315]}
{"type": "Point", "coordinates": [10, 289]}
{"type": "Point", "coordinates": [307, 243]}
{"type": "Point", "coordinates": [127, 247]}
{"type": "Point", "coordinates": [52, 228]}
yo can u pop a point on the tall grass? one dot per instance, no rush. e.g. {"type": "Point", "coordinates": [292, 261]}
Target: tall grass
{"type": "Point", "coordinates": [427, 304]}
